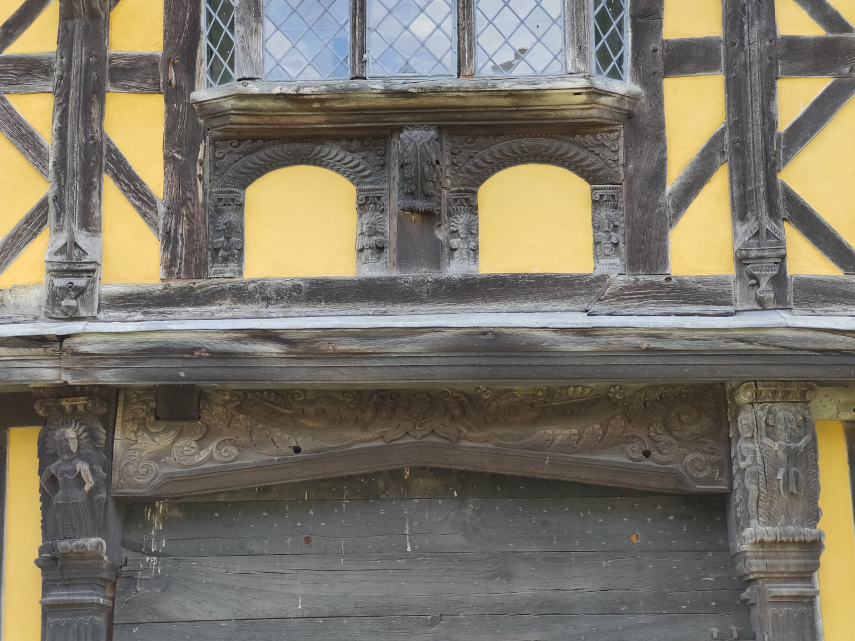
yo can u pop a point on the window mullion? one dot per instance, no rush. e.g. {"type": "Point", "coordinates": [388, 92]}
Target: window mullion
{"type": "Point", "coordinates": [579, 36]}
{"type": "Point", "coordinates": [249, 40]}
{"type": "Point", "coordinates": [466, 38]}
{"type": "Point", "coordinates": [358, 35]}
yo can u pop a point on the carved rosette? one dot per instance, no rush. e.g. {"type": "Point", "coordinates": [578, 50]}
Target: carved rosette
{"type": "Point", "coordinates": [421, 169]}
{"type": "Point", "coordinates": [462, 231]}
{"type": "Point", "coordinates": [608, 226]}
{"type": "Point", "coordinates": [675, 432]}
{"type": "Point", "coordinates": [226, 232]}
{"type": "Point", "coordinates": [775, 506]}
{"type": "Point", "coordinates": [372, 231]}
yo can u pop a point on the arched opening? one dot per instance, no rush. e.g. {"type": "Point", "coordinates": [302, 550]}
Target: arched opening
{"type": "Point", "coordinates": [300, 221]}
{"type": "Point", "coordinates": [535, 218]}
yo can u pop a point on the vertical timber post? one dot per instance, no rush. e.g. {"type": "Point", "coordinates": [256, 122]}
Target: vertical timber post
{"type": "Point", "coordinates": [751, 99]}
{"type": "Point", "coordinates": [249, 49]}
{"type": "Point", "coordinates": [73, 259]}
{"type": "Point", "coordinates": [774, 507]}
{"type": "Point", "coordinates": [81, 527]}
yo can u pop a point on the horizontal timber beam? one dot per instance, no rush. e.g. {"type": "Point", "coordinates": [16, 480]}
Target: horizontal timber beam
{"type": "Point", "coordinates": [693, 56]}
{"type": "Point", "coordinates": [801, 56]}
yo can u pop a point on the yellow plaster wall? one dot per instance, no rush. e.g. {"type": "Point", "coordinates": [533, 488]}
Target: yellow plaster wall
{"type": "Point", "coordinates": [137, 25]}
{"type": "Point", "coordinates": [300, 221]}
{"type": "Point", "coordinates": [837, 564]}
{"type": "Point", "coordinates": [40, 35]}
{"type": "Point", "coordinates": [22, 587]}
{"type": "Point", "coordinates": [535, 218]}
{"type": "Point", "coordinates": [692, 18]}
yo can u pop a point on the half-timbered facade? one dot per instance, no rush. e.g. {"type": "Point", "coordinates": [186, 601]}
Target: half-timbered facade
{"type": "Point", "coordinates": [514, 320]}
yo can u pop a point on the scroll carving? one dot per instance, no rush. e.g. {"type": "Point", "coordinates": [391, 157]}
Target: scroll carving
{"type": "Point", "coordinates": [421, 169]}
{"type": "Point", "coordinates": [607, 222]}
{"type": "Point", "coordinates": [227, 233]}
{"type": "Point", "coordinates": [666, 429]}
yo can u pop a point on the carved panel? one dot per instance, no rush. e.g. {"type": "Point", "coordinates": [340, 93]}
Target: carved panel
{"type": "Point", "coordinates": [608, 226]}
{"type": "Point", "coordinates": [661, 437]}
{"type": "Point", "coordinates": [421, 169]}
{"type": "Point", "coordinates": [226, 237]}
{"type": "Point", "coordinates": [372, 230]}
{"type": "Point", "coordinates": [462, 231]}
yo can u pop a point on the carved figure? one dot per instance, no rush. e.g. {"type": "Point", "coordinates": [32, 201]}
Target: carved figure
{"type": "Point", "coordinates": [464, 248]}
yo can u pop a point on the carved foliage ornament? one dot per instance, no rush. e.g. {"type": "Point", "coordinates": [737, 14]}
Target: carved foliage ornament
{"type": "Point", "coordinates": [421, 169]}
{"type": "Point", "coordinates": [675, 428]}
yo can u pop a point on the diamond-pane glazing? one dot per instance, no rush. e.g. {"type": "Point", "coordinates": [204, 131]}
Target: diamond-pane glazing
{"type": "Point", "coordinates": [306, 39]}
{"type": "Point", "coordinates": [610, 38]}
{"type": "Point", "coordinates": [219, 40]}
{"type": "Point", "coordinates": [519, 37]}
{"type": "Point", "coordinates": [411, 38]}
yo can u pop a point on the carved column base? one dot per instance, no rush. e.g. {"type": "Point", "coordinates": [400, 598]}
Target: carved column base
{"type": "Point", "coordinates": [76, 603]}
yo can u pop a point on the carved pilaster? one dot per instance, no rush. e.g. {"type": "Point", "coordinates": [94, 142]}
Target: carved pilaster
{"type": "Point", "coordinates": [372, 230]}
{"type": "Point", "coordinates": [775, 507]}
{"type": "Point", "coordinates": [462, 231]}
{"type": "Point", "coordinates": [608, 226]}
{"type": "Point", "coordinates": [226, 233]}
{"type": "Point", "coordinates": [73, 259]}
{"type": "Point", "coordinates": [74, 464]}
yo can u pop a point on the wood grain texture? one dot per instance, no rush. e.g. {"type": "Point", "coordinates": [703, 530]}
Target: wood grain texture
{"type": "Point", "coordinates": [249, 40]}
{"type": "Point", "coordinates": [646, 155]}
{"type": "Point", "coordinates": [184, 238]}
{"type": "Point", "coordinates": [26, 139]}
{"type": "Point", "coordinates": [134, 188]}
{"type": "Point", "coordinates": [690, 182]}
{"type": "Point", "coordinates": [832, 55]}
{"type": "Point", "coordinates": [579, 37]}
{"type": "Point", "coordinates": [25, 361]}
{"type": "Point", "coordinates": [664, 295]}
{"type": "Point", "coordinates": [134, 72]}
{"type": "Point", "coordinates": [23, 233]}
{"type": "Point", "coordinates": [826, 16]}
{"type": "Point", "coordinates": [466, 38]}
{"type": "Point", "coordinates": [27, 72]}
{"type": "Point", "coordinates": [814, 117]}
{"type": "Point", "coordinates": [823, 294]}
{"type": "Point", "coordinates": [817, 231]}
{"type": "Point", "coordinates": [358, 33]}
{"type": "Point", "coordinates": [693, 56]}
{"type": "Point", "coordinates": [16, 24]}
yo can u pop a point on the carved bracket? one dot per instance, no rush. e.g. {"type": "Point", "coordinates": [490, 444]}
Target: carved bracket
{"type": "Point", "coordinates": [421, 170]}
{"type": "Point", "coordinates": [761, 268]}
{"type": "Point", "coordinates": [663, 437]}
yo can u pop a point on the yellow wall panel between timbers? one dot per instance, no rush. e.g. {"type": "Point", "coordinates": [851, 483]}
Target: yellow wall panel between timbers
{"type": "Point", "coordinates": [137, 25]}
{"type": "Point", "coordinates": [135, 123]}
{"type": "Point", "coordinates": [131, 251]}
{"type": "Point", "coordinates": [29, 267]}
{"type": "Point", "coordinates": [40, 36]}
{"type": "Point", "coordinates": [535, 218]}
{"type": "Point", "coordinates": [804, 258]}
{"type": "Point", "coordinates": [792, 20]}
{"type": "Point", "coordinates": [22, 584]}
{"type": "Point", "coordinates": [692, 18]}
{"type": "Point", "coordinates": [837, 564]}
{"type": "Point", "coordinates": [300, 221]}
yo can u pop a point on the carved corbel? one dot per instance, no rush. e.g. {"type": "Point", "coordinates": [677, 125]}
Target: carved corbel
{"type": "Point", "coordinates": [462, 231]}
{"type": "Point", "coordinates": [372, 230]}
{"type": "Point", "coordinates": [774, 508]}
{"type": "Point", "coordinates": [607, 222]}
{"type": "Point", "coordinates": [74, 464]}
{"type": "Point", "coordinates": [226, 233]}
{"type": "Point", "coordinates": [761, 268]}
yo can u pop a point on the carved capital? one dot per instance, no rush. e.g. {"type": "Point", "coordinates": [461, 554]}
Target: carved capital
{"type": "Point", "coordinates": [608, 226]}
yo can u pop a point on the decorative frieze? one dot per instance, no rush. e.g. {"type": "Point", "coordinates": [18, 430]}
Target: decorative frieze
{"type": "Point", "coordinates": [608, 226]}
{"type": "Point", "coordinates": [659, 437]}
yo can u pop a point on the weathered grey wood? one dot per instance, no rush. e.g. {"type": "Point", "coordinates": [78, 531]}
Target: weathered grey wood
{"type": "Point", "coordinates": [25, 361]}
{"type": "Point", "coordinates": [664, 295]}
{"type": "Point", "coordinates": [693, 56]}
{"type": "Point", "coordinates": [817, 231]}
{"type": "Point", "coordinates": [690, 182]}
{"type": "Point", "coordinates": [578, 37]}
{"type": "Point", "coordinates": [249, 40]}
{"type": "Point", "coordinates": [134, 72]}
{"type": "Point", "coordinates": [750, 65]}
{"type": "Point", "coordinates": [646, 159]}
{"type": "Point", "coordinates": [26, 139]}
{"type": "Point", "coordinates": [826, 16]}
{"type": "Point", "coordinates": [27, 72]}
{"type": "Point", "coordinates": [23, 233]}
{"type": "Point", "coordinates": [177, 403]}
{"type": "Point", "coordinates": [358, 34]}
{"type": "Point", "coordinates": [4, 457]}
{"type": "Point", "coordinates": [466, 38]}
{"type": "Point", "coordinates": [184, 239]}
{"type": "Point", "coordinates": [814, 117]}
{"type": "Point", "coordinates": [832, 55]}
{"type": "Point", "coordinates": [823, 294]}
{"type": "Point", "coordinates": [140, 195]}
{"type": "Point", "coordinates": [16, 24]}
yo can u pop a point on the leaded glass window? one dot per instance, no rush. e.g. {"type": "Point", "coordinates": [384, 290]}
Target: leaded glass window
{"type": "Point", "coordinates": [519, 37]}
{"type": "Point", "coordinates": [306, 39]}
{"type": "Point", "coordinates": [412, 38]}
{"type": "Point", "coordinates": [610, 38]}
{"type": "Point", "coordinates": [219, 40]}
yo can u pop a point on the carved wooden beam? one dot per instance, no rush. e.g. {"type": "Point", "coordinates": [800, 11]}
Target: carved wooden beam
{"type": "Point", "coordinates": [662, 438]}
{"type": "Point", "coordinates": [774, 508]}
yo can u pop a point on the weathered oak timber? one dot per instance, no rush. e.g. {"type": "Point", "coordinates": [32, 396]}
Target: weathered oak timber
{"type": "Point", "coordinates": [816, 115]}
{"type": "Point", "coordinates": [24, 232]}
{"type": "Point", "coordinates": [16, 24]}
{"type": "Point", "coordinates": [27, 72]}
{"type": "Point", "coordinates": [134, 188]}
{"type": "Point", "coordinates": [357, 39]}
{"type": "Point", "coordinates": [134, 72]}
{"type": "Point", "coordinates": [578, 37]}
{"type": "Point", "coordinates": [690, 182]}
{"type": "Point", "coordinates": [249, 40]}
{"type": "Point", "coordinates": [832, 55]}
{"type": "Point", "coordinates": [750, 65]}
{"type": "Point", "coordinates": [664, 295]}
{"type": "Point", "coordinates": [826, 16]}
{"type": "Point", "coordinates": [693, 56]}
{"type": "Point", "coordinates": [817, 231]}
{"type": "Point", "coordinates": [645, 148]}
{"type": "Point", "coordinates": [73, 258]}
{"type": "Point", "coordinates": [466, 38]}
{"type": "Point", "coordinates": [26, 139]}
{"type": "Point", "coordinates": [823, 294]}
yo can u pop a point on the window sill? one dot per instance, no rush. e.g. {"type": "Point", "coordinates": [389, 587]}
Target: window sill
{"type": "Point", "coordinates": [272, 109]}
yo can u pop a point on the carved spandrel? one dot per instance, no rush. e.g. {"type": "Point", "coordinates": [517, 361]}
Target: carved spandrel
{"type": "Point", "coordinates": [608, 226]}
{"type": "Point", "coordinates": [668, 430]}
